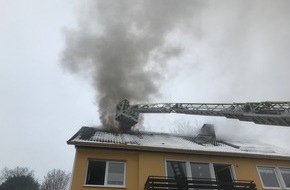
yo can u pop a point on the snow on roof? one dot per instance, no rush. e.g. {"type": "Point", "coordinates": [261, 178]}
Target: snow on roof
{"type": "Point", "coordinates": [90, 136]}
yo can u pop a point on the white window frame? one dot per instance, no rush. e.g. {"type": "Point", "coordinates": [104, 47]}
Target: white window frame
{"type": "Point", "coordinates": [233, 173]}
{"type": "Point", "coordinates": [211, 168]}
{"type": "Point", "coordinates": [210, 165]}
{"type": "Point", "coordinates": [186, 167]}
{"type": "Point", "coordinates": [280, 175]}
{"type": "Point", "coordinates": [106, 174]}
{"type": "Point", "coordinates": [277, 174]}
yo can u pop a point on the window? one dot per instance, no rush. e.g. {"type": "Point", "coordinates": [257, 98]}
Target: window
{"type": "Point", "coordinates": [273, 177]}
{"type": "Point", "coordinates": [176, 169]}
{"type": "Point", "coordinates": [105, 173]}
{"type": "Point", "coordinates": [200, 170]}
{"type": "Point", "coordinates": [268, 176]}
{"type": "Point", "coordinates": [285, 173]}
{"type": "Point", "coordinates": [222, 172]}
{"type": "Point", "coordinates": [116, 174]}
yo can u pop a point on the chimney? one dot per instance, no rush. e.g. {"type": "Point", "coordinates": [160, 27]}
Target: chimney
{"type": "Point", "coordinates": [206, 135]}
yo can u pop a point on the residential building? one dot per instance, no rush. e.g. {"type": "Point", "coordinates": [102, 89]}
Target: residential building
{"type": "Point", "coordinates": [144, 160]}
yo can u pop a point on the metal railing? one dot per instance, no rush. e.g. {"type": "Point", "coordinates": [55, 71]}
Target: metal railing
{"type": "Point", "coordinates": [171, 183]}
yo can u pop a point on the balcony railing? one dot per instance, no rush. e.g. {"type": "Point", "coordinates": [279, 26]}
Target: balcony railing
{"type": "Point", "coordinates": [171, 183]}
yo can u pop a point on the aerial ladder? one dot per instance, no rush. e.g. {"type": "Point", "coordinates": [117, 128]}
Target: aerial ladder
{"type": "Point", "coordinates": [265, 113]}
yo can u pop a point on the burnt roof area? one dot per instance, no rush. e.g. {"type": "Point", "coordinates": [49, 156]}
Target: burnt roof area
{"type": "Point", "coordinates": [206, 135]}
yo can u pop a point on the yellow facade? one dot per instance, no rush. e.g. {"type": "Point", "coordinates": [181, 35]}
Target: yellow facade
{"type": "Point", "coordinates": [141, 164]}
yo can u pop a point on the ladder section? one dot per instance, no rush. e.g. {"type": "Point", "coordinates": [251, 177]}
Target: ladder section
{"type": "Point", "coordinates": [177, 169]}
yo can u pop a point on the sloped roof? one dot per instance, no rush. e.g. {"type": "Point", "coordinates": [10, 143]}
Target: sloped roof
{"type": "Point", "coordinates": [164, 142]}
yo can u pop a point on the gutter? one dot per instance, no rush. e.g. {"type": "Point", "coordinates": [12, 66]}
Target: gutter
{"type": "Point", "coordinates": [173, 150]}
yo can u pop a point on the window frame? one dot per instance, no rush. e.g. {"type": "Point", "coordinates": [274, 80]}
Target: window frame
{"type": "Point", "coordinates": [211, 168]}
{"type": "Point", "coordinates": [233, 172]}
{"type": "Point", "coordinates": [106, 173]}
{"type": "Point", "coordinates": [278, 175]}
{"type": "Point", "coordinates": [186, 168]}
{"type": "Point", "coordinates": [175, 161]}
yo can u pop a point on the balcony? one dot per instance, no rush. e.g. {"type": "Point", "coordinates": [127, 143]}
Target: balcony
{"type": "Point", "coordinates": [165, 183]}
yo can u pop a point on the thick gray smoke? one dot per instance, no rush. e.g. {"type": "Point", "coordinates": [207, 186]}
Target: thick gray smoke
{"type": "Point", "coordinates": [117, 44]}
{"type": "Point", "coordinates": [229, 51]}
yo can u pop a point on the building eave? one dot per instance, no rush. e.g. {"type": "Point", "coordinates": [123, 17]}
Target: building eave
{"type": "Point", "coordinates": [173, 150]}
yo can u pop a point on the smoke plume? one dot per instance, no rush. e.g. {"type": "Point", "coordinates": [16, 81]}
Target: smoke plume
{"type": "Point", "coordinates": [229, 51]}
{"type": "Point", "coordinates": [117, 45]}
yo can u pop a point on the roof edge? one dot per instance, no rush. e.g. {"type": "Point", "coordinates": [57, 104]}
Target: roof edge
{"type": "Point", "coordinates": [171, 150]}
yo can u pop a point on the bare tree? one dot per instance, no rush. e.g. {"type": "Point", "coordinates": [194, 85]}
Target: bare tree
{"type": "Point", "coordinates": [56, 179]}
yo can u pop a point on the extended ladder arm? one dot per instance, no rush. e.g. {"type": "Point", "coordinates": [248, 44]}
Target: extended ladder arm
{"type": "Point", "coordinates": [266, 113]}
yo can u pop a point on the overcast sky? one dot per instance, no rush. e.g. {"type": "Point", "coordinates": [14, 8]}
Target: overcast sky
{"type": "Point", "coordinates": [225, 52]}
